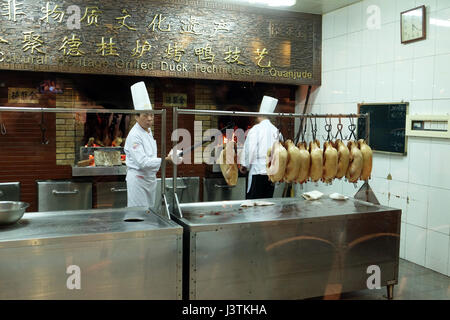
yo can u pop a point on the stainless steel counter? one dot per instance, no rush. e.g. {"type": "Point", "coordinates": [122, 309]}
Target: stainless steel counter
{"type": "Point", "coordinates": [292, 250]}
{"type": "Point", "coordinates": [117, 259]}
{"type": "Point", "coordinates": [99, 171]}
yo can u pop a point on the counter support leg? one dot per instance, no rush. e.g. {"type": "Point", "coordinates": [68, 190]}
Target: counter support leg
{"type": "Point", "coordinates": [390, 291]}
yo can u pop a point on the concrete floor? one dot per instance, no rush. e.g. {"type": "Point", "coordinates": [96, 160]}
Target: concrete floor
{"type": "Point", "coordinates": [414, 283]}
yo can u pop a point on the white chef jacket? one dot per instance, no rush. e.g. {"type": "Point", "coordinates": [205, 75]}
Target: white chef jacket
{"type": "Point", "coordinates": [259, 139]}
{"type": "Point", "coordinates": [142, 165]}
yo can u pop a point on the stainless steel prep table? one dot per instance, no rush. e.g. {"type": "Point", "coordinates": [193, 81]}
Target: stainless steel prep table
{"type": "Point", "coordinates": [292, 250]}
{"type": "Point", "coordinates": [117, 259]}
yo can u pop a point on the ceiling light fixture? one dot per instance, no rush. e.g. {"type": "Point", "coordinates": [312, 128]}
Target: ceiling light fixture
{"type": "Point", "coordinates": [274, 3]}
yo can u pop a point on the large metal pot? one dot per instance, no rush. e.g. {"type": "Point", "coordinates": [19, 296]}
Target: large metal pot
{"type": "Point", "coordinates": [12, 211]}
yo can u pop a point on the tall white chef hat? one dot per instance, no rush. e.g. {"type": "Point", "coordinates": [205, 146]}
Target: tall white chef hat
{"type": "Point", "coordinates": [141, 101]}
{"type": "Point", "coordinates": [268, 104]}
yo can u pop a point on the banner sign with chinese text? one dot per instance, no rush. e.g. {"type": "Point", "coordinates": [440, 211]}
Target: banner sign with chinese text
{"type": "Point", "coordinates": [172, 38]}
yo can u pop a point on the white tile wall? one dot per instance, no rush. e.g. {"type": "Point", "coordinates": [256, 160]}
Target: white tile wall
{"type": "Point", "coordinates": [399, 168]}
{"type": "Point", "coordinates": [403, 5]}
{"type": "Point", "coordinates": [371, 65]}
{"type": "Point", "coordinates": [385, 43]}
{"type": "Point", "coordinates": [403, 71]}
{"type": "Point", "coordinates": [368, 83]}
{"type": "Point", "coordinates": [353, 78]}
{"type": "Point", "coordinates": [437, 251]}
{"type": "Point", "coordinates": [340, 21]}
{"type": "Point", "coordinates": [354, 48]}
{"type": "Point", "coordinates": [441, 23]}
{"type": "Point", "coordinates": [415, 245]}
{"type": "Point", "coordinates": [441, 4]}
{"type": "Point", "coordinates": [381, 166]}
{"type": "Point", "coordinates": [417, 206]}
{"type": "Point", "coordinates": [442, 76]}
{"type": "Point", "coordinates": [440, 176]}
{"type": "Point", "coordinates": [441, 107]}
{"type": "Point", "coordinates": [385, 84]}
{"type": "Point", "coordinates": [403, 240]}
{"type": "Point", "coordinates": [419, 160]}
{"type": "Point", "coordinates": [423, 78]}
{"type": "Point", "coordinates": [340, 52]}
{"type": "Point", "coordinates": [355, 18]}
{"type": "Point", "coordinates": [420, 107]}
{"type": "Point", "coordinates": [369, 46]}
{"type": "Point", "coordinates": [438, 210]}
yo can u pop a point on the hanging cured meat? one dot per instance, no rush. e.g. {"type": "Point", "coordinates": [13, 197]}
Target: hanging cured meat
{"type": "Point", "coordinates": [316, 160]}
{"type": "Point", "coordinates": [356, 162]}
{"type": "Point", "coordinates": [367, 159]}
{"type": "Point", "coordinates": [293, 162]}
{"type": "Point", "coordinates": [343, 158]}
{"type": "Point", "coordinates": [330, 164]}
{"type": "Point", "coordinates": [228, 166]}
{"type": "Point", "coordinates": [276, 162]}
{"type": "Point", "coordinates": [304, 163]}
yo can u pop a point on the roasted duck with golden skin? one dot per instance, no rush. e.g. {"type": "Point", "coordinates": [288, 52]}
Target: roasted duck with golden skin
{"type": "Point", "coordinates": [343, 158]}
{"type": "Point", "coordinates": [330, 164]}
{"type": "Point", "coordinates": [293, 162]}
{"type": "Point", "coordinates": [316, 153]}
{"type": "Point", "coordinates": [367, 160]}
{"type": "Point", "coordinates": [276, 162]}
{"type": "Point", "coordinates": [305, 163]}
{"type": "Point", "coordinates": [356, 162]}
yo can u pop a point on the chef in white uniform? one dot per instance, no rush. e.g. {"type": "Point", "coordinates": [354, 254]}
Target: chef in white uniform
{"type": "Point", "coordinates": [253, 157]}
{"type": "Point", "coordinates": [140, 149]}
{"type": "Point", "coordinates": [141, 153]}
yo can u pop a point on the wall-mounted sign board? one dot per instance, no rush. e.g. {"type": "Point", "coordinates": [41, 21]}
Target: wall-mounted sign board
{"type": "Point", "coordinates": [433, 126]}
{"type": "Point", "coordinates": [387, 126]}
{"type": "Point", "coordinates": [164, 38]}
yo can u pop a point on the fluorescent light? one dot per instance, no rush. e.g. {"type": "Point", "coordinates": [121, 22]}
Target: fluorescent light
{"type": "Point", "coordinates": [274, 3]}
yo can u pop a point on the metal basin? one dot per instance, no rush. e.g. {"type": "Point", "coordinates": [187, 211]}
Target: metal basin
{"type": "Point", "coordinates": [12, 211]}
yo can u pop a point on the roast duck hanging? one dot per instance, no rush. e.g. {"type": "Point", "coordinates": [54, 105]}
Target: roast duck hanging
{"type": "Point", "coordinates": [289, 163]}
{"type": "Point", "coordinates": [228, 163]}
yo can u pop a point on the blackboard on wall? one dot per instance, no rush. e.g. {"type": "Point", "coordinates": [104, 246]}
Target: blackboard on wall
{"type": "Point", "coordinates": [386, 127]}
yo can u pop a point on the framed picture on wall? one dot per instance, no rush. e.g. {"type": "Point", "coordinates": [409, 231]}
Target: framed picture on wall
{"type": "Point", "coordinates": [413, 25]}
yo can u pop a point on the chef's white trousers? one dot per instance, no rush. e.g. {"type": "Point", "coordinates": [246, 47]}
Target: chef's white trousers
{"type": "Point", "coordinates": [141, 191]}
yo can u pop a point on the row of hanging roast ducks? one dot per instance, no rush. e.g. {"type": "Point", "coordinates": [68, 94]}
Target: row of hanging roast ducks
{"type": "Point", "coordinates": [287, 162]}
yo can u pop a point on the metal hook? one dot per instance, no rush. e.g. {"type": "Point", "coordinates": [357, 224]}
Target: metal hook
{"type": "Point", "coordinates": [352, 128]}
{"type": "Point", "coordinates": [339, 131]}
{"type": "Point", "coordinates": [328, 127]}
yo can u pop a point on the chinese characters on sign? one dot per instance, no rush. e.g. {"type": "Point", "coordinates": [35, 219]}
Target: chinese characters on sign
{"type": "Point", "coordinates": [174, 100]}
{"type": "Point", "coordinates": [160, 38]}
{"type": "Point", "coordinates": [23, 95]}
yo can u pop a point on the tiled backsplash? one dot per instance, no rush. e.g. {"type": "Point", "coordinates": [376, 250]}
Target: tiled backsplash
{"type": "Point", "coordinates": [371, 65]}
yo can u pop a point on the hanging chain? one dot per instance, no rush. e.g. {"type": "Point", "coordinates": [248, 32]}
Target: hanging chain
{"type": "Point", "coordinates": [328, 128]}
{"type": "Point", "coordinates": [304, 129]}
{"type": "Point", "coordinates": [314, 128]}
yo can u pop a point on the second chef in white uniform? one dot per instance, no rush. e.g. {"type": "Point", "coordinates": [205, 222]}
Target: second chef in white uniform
{"type": "Point", "coordinates": [253, 158]}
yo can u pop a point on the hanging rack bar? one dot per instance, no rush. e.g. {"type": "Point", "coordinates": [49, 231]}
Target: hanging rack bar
{"type": "Point", "coordinates": [257, 114]}
{"type": "Point", "coordinates": [71, 110]}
